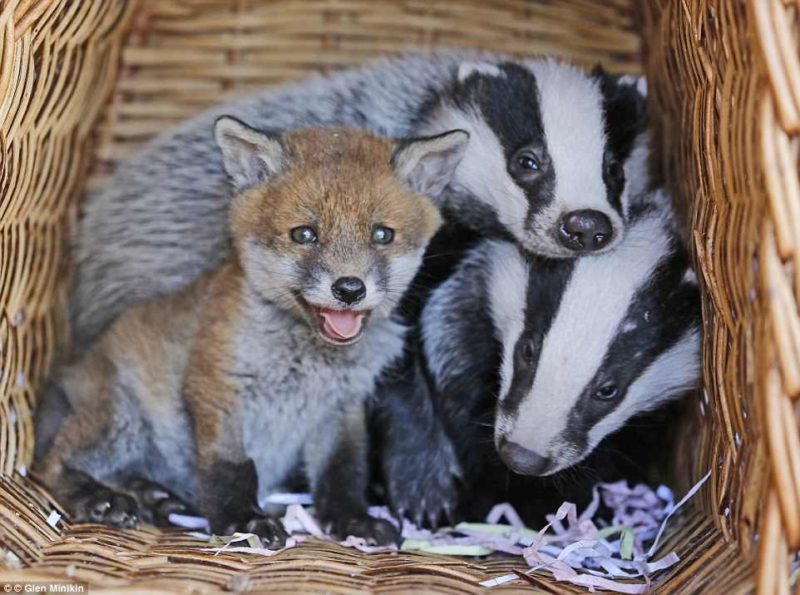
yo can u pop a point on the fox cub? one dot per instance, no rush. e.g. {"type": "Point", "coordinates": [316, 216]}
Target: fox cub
{"type": "Point", "coordinates": [210, 398]}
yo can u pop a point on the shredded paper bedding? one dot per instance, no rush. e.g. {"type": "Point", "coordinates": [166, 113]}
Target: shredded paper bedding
{"type": "Point", "coordinates": [610, 545]}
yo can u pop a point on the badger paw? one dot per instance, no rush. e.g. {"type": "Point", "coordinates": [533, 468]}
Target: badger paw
{"type": "Point", "coordinates": [270, 530]}
{"type": "Point", "coordinates": [103, 505]}
{"type": "Point", "coordinates": [373, 531]}
{"type": "Point", "coordinates": [423, 487]}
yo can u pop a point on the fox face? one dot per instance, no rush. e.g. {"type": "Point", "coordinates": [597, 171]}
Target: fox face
{"type": "Point", "coordinates": [331, 223]}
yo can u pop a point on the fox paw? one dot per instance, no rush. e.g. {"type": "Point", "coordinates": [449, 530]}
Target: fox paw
{"type": "Point", "coordinates": [269, 529]}
{"type": "Point", "coordinates": [373, 531]}
{"type": "Point", "coordinates": [108, 507]}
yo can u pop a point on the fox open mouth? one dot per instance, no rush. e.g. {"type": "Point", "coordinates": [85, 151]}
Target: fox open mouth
{"type": "Point", "coordinates": [340, 327]}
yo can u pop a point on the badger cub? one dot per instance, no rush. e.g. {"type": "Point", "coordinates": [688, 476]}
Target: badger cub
{"type": "Point", "coordinates": [543, 358]}
{"type": "Point", "coordinates": [262, 367]}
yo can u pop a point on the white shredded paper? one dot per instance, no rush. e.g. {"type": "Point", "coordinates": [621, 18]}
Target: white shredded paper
{"type": "Point", "coordinates": [286, 498]}
{"type": "Point", "coordinates": [53, 518]}
{"type": "Point", "coordinates": [189, 522]}
{"type": "Point", "coordinates": [613, 554]}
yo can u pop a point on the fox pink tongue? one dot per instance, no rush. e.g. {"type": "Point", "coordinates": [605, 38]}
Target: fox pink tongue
{"type": "Point", "coordinates": [342, 324]}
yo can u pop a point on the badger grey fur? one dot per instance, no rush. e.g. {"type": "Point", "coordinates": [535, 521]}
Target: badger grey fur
{"type": "Point", "coordinates": [160, 221]}
{"type": "Point", "coordinates": [531, 362]}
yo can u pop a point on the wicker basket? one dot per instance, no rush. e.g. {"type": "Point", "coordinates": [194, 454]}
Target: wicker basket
{"type": "Point", "coordinates": [83, 82]}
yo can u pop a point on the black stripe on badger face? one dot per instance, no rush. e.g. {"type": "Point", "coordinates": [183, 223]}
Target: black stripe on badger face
{"type": "Point", "coordinates": [617, 336]}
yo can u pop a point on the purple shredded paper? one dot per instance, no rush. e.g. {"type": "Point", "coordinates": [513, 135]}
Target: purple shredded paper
{"type": "Point", "coordinates": [612, 554]}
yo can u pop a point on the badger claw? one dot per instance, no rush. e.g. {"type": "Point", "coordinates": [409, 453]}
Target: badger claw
{"type": "Point", "coordinates": [449, 517]}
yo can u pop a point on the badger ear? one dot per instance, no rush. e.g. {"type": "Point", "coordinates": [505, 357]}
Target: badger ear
{"type": "Point", "coordinates": [599, 72]}
{"type": "Point", "coordinates": [625, 106]}
{"type": "Point", "coordinates": [467, 69]}
{"type": "Point", "coordinates": [689, 276]}
{"type": "Point", "coordinates": [638, 82]}
{"type": "Point", "coordinates": [428, 164]}
{"type": "Point", "coordinates": [629, 91]}
{"type": "Point", "coordinates": [249, 156]}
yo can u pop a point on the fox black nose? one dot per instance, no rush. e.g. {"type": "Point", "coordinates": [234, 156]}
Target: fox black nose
{"type": "Point", "coordinates": [349, 289]}
{"type": "Point", "coordinates": [585, 231]}
{"type": "Point", "coordinates": [523, 461]}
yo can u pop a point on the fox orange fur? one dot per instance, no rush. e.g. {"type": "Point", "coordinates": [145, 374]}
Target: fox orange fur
{"type": "Point", "coordinates": [210, 398]}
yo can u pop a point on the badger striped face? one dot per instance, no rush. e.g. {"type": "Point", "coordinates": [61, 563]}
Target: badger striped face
{"type": "Point", "coordinates": [551, 146]}
{"type": "Point", "coordinates": [588, 343]}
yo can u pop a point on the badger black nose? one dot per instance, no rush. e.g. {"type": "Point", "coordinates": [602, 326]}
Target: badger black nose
{"type": "Point", "coordinates": [349, 289]}
{"type": "Point", "coordinates": [523, 461]}
{"type": "Point", "coordinates": [585, 231]}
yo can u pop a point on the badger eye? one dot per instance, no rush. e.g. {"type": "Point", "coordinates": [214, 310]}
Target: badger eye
{"type": "Point", "coordinates": [528, 351]}
{"type": "Point", "coordinates": [614, 170]}
{"type": "Point", "coordinates": [606, 392]}
{"type": "Point", "coordinates": [303, 234]}
{"type": "Point", "coordinates": [382, 235]}
{"type": "Point", "coordinates": [528, 161]}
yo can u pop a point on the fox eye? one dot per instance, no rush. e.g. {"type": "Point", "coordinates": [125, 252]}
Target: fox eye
{"type": "Point", "coordinates": [303, 234]}
{"type": "Point", "coordinates": [606, 392]}
{"type": "Point", "coordinates": [382, 235]}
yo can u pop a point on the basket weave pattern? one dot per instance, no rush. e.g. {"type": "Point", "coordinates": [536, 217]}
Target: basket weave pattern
{"type": "Point", "coordinates": [85, 82]}
{"type": "Point", "coordinates": [726, 90]}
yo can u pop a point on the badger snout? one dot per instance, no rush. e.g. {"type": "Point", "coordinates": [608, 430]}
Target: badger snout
{"type": "Point", "coordinates": [586, 230]}
{"type": "Point", "coordinates": [522, 460]}
{"type": "Point", "coordinates": [349, 290]}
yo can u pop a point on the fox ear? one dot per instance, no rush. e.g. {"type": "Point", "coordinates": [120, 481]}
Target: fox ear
{"type": "Point", "coordinates": [428, 164]}
{"type": "Point", "coordinates": [249, 156]}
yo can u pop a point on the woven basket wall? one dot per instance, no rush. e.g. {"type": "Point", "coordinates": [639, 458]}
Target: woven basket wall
{"type": "Point", "coordinates": [84, 82]}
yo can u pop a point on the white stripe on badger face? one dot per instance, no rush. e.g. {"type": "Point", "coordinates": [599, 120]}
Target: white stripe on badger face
{"type": "Point", "coordinates": [571, 106]}
{"type": "Point", "coordinates": [508, 288]}
{"type": "Point", "coordinates": [592, 307]}
{"type": "Point", "coordinates": [673, 372]}
{"type": "Point", "coordinates": [483, 172]}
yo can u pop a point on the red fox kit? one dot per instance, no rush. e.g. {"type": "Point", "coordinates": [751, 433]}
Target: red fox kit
{"type": "Point", "coordinates": [261, 367]}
